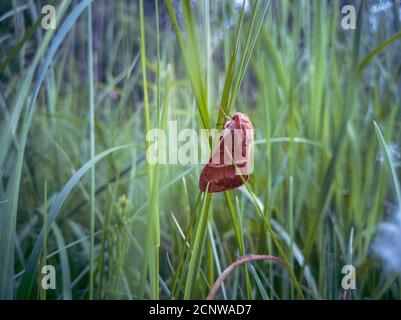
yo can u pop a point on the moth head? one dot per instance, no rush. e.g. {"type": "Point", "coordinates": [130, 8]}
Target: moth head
{"type": "Point", "coordinates": [239, 117]}
{"type": "Point", "coordinates": [236, 117]}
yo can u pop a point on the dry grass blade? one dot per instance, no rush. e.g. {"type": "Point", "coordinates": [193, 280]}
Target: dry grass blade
{"type": "Point", "coordinates": [236, 264]}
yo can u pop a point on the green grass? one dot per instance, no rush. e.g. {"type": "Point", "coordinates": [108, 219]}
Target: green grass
{"type": "Point", "coordinates": [76, 191]}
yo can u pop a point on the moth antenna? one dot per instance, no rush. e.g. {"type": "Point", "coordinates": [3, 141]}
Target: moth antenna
{"type": "Point", "coordinates": [225, 114]}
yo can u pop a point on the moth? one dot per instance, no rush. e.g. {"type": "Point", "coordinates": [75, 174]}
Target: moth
{"type": "Point", "coordinates": [229, 165]}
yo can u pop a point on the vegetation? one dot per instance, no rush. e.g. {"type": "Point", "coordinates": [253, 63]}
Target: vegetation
{"type": "Point", "coordinates": [77, 192]}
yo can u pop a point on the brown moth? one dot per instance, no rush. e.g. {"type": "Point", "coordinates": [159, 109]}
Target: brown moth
{"type": "Point", "coordinates": [229, 166]}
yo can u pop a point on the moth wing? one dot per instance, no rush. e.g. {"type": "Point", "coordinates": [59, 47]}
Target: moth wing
{"type": "Point", "coordinates": [220, 178]}
{"type": "Point", "coordinates": [216, 155]}
{"type": "Point", "coordinates": [225, 176]}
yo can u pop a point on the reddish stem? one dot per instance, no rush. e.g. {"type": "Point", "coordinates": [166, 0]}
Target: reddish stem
{"type": "Point", "coordinates": [231, 267]}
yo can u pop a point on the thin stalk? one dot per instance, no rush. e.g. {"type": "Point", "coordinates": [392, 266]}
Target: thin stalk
{"type": "Point", "coordinates": [240, 240]}
{"type": "Point", "coordinates": [44, 259]}
{"type": "Point", "coordinates": [151, 254]}
{"type": "Point", "coordinates": [235, 264]}
{"type": "Point", "coordinates": [291, 226]}
{"type": "Point", "coordinates": [92, 154]}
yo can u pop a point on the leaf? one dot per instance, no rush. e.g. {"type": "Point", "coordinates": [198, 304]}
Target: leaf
{"type": "Point", "coordinates": [29, 276]}
{"type": "Point", "coordinates": [389, 162]}
{"type": "Point", "coordinates": [9, 216]}
{"type": "Point", "coordinates": [377, 51]}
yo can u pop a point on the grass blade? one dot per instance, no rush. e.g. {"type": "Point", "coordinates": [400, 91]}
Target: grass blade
{"type": "Point", "coordinates": [27, 281]}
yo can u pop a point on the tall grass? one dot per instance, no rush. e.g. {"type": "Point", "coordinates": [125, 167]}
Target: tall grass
{"type": "Point", "coordinates": [324, 102]}
{"type": "Point", "coordinates": [92, 153]}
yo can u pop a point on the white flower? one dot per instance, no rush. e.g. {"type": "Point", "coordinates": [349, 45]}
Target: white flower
{"type": "Point", "coordinates": [387, 244]}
